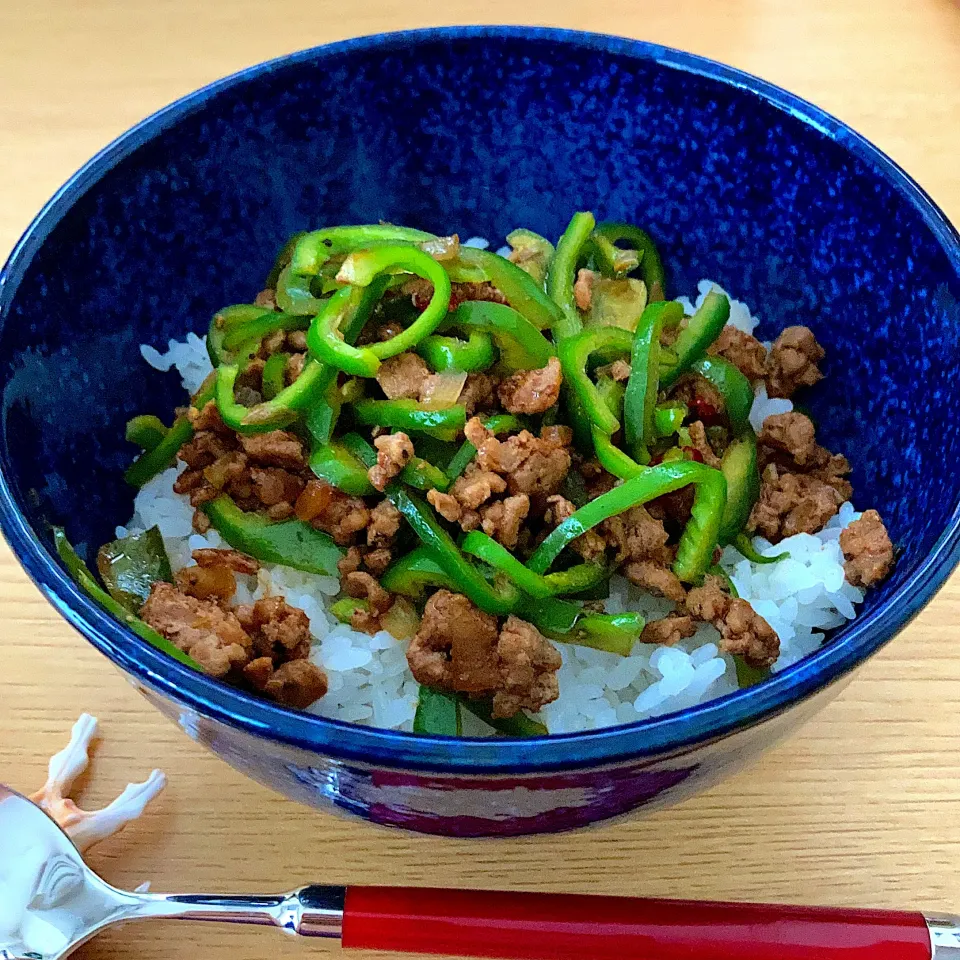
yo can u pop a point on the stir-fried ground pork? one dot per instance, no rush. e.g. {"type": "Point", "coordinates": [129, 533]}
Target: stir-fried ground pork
{"type": "Point", "coordinates": [532, 391]}
{"type": "Point", "coordinates": [742, 630]}
{"type": "Point", "coordinates": [671, 629]}
{"type": "Point", "coordinates": [656, 578]}
{"type": "Point", "coordinates": [792, 362]}
{"type": "Point", "coordinates": [402, 377]}
{"type": "Point", "coordinates": [459, 648]}
{"type": "Point", "coordinates": [590, 545]}
{"type": "Point", "coordinates": [792, 434]}
{"type": "Point", "coordinates": [701, 445]}
{"type": "Point", "coordinates": [742, 350]}
{"type": "Point", "coordinates": [265, 644]}
{"type": "Point", "coordinates": [792, 503]}
{"type": "Point", "coordinates": [583, 288]}
{"type": "Point", "coordinates": [868, 550]}
{"type": "Point", "coordinates": [394, 452]}
{"type": "Point", "coordinates": [232, 559]}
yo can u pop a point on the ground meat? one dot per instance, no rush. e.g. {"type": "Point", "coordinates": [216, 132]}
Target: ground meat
{"type": "Point", "coordinates": [296, 683]}
{"type": "Point", "coordinates": [792, 362]}
{"type": "Point", "coordinates": [271, 343]}
{"type": "Point", "coordinates": [745, 352]}
{"type": "Point", "coordinates": [619, 370]}
{"type": "Point", "coordinates": [532, 391]}
{"type": "Point", "coordinates": [792, 434]}
{"type": "Point", "coordinates": [476, 486]}
{"type": "Point", "coordinates": [528, 665]}
{"type": "Point", "coordinates": [478, 393]}
{"type": "Point", "coordinates": [446, 505]}
{"type": "Point", "coordinates": [421, 291]}
{"type": "Point", "coordinates": [656, 578]}
{"type": "Point", "coordinates": [363, 586]}
{"type": "Point", "coordinates": [331, 510]}
{"type": "Point", "coordinates": [583, 288]}
{"type": "Point", "coordinates": [205, 448]}
{"type": "Point", "coordinates": [557, 435]}
{"type": "Point", "coordinates": [394, 452]}
{"type": "Point", "coordinates": [502, 520]}
{"type": "Point", "coordinates": [257, 672]}
{"type": "Point", "coordinates": [233, 559]}
{"type": "Point", "coordinates": [266, 298]}
{"type": "Point", "coordinates": [402, 377]}
{"type": "Point", "coordinates": [868, 550]}
{"type": "Point", "coordinates": [278, 448]}
{"type": "Point", "coordinates": [743, 631]}
{"type": "Point", "coordinates": [530, 465]}
{"type": "Point", "coordinates": [208, 419]}
{"type": "Point", "coordinates": [384, 524]}
{"type": "Point", "coordinates": [669, 630]}
{"type": "Point", "coordinates": [278, 628]}
{"type": "Point", "coordinates": [700, 443]}
{"type": "Point", "coordinates": [201, 522]}
{"type": "Point", "coordinates": [702, 397]}
{"type": "Point", "coordinates": [200, 628]}
{"type": "Point", "coordinates": [294, 367]}
{"type": "Point", "coordinates": [207, 583]}
{"type": "Point", "coordinates": [272, 486]}
{"type": "Point", "coordinates": [834, 473]}
{"type": "Point", "coordinates": [351, 561]}
{"type": "Point", "coordinates": [792, 503]}
{"type": "Point", "coordinates": [590, 545]}
{"type": "Point", "coordinates": [455, 646]}
{"type": "Point", "coordinates": [378, 560]}
{"type": "Point", "coordinates": [635, 535]}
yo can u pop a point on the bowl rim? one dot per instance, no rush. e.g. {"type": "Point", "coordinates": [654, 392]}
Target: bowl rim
{"type": "Point", "coordinates": [656, 736]}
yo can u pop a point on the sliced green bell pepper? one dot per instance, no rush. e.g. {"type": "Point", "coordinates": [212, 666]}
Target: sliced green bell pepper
{"type": "Point", "coordinates": [534, 253]}
{"type": "Point", "coordinates": [575, 353]}
{"type": "Point", "coordinates": [519, 725]}
{"type": "Point", "coordinates": [522, 346]}
{"type": "Point", "coordinates": [437, 713]}
{"type": "Point", "coordinates": [409, 415]}
{"type": "Point", "coordinates": [702, 329]}
{"type": "Point", "coordinates": [146, 431]}
{"type": "Point", "coordinates": [571, 250]}
{"type": "Point", "coordinates": [414, 573]}
{"type": "Point", "coordinates": [290, 542]}
{"type": "Point", "coordinates": [651, 266]}
{"type": "Point", "coordinates": [274, 375]}
{"type": "Point", "coordinates": [695, 550]}
{"type": "Point", "coordinates": [131, 565]}
{"type": "Point", "coordinates": [452, 353]}
{"type": "Point", "coordinates": [501, 423]}
{"type": "Point", "coordinates": [733, 386]}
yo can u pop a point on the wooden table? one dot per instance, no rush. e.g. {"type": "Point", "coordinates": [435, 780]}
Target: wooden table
{"type": "Point", "coordinates": [862, 807]}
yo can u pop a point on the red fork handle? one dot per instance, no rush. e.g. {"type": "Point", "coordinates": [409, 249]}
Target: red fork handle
{"type": "Point", "coordinates": [541, 926]}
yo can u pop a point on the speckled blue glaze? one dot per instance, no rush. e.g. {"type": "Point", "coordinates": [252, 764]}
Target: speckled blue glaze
{"type": "Point", "coordinates": [480, 130]}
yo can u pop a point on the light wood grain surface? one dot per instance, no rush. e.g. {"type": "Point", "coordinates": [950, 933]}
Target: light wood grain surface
{"type": "Point", "coordinates": [862, 807]}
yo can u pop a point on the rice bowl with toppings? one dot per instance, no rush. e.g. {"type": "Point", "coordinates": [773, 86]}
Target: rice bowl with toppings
{"type": "Point", "coordinates": [676, 658]}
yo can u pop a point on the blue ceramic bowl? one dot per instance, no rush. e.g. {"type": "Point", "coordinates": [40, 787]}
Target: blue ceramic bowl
{"type": "Point", "coordinates": [480, 130]}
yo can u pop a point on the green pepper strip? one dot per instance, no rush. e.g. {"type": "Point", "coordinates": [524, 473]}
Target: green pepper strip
{"type": "Point", "coordinates": [312, 383]}
{"type": "Point", "coordinates": [226, 320]}
{"type": "Point", "coordinates": [519, 725]}
{"type": "Point", "coordinates": [361, 269]}
{"type": "Point", "coordinates": [336, 464]}
{"type": "Point", "coordinates": [437, 713]}
{"type": "Point", "coordinates": [283, 260]}
{"type": "Point", "coordinates": [501, 423]}
{"type": "Point", "coordinates": [81, 573]}
{"type": "Point", "coordinates": [744, 545]}
{"type": "Point", "coordinates": [575, 353]}
{"type": "Point", "coordinates": [274, 372]}
{"type": "Point", "coordinates": [327, 345]}
{"type": "Point", "coordinates": [581, 577]}
{"type": "Point", "coordinates": [612, 261]}
{"type": "Point", "coordinates": [702, 329]}
{"type": "Point", "coordinates": [146, 431]}
{"type": "Point", "coordinates": [237, 335]}
{"type": "Point", "coordinates": [695, 550]}
{"type": "Point", "coordinates": [294, 295]}
{"type": "Point", "coordinates": [290, 542]}
{"type": "Point", "coordinates": [747, 675]}
{"type": "Point", "coordinates": [414, 573]}
{"type": "Point", "coordinates": [733, 386]}
{"type": "Point", "coordinates": [562, 275]}
{"type": "Point", "coordinates": [567, 622]}
{"type": "Point", "coordinates": [522, 346]}
{"type": "Point", "coordinates": [155, 461]}
{"type": "Point", "coordinates": [651, 266]}
{"type": "Point", "coordinates": [314, 249]}
{"type": "Point", "coordinates": [130, 566]}
{"type": "Point", "coordinates": [409, 415]}
{"type": "Point", "coordinates": [344, 609]}
{"type": "Point", "coordinates": [668, 419]}
{"type": "Point", "coordinates": [520, 289]}
{"type": "Point", "coordinates": [640, 400]}
{"type": "Point", "coordinates": [739, 468]}
{"type": "Point", "coordinates": [322, 415]}
{"type": "Point", "coordinates": [499, 600]}
{"type": "Point", "coordinates": [535, 253]}
{"type": "Point", "coordinates": [452, 353]}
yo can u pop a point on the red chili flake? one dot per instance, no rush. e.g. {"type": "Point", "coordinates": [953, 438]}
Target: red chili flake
{"type": "Point", "coordinates": [704, 410]}
{"type": "Point", "coordinates": [693, 454]}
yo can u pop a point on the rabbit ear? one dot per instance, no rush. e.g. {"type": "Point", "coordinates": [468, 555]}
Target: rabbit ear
{"type": "Point", "coordinates": [68, 764]}
{"type": "Point", "coordinates": [89, 827]}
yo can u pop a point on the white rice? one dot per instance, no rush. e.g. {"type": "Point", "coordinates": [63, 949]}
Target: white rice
{"type": "Point", "coordinates": [370, 683]}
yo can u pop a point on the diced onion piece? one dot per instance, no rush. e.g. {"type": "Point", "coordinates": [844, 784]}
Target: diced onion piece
{"type": "Point", "coordinates": [442, 248]}
{"type": "Point", "coordinates": [401, 620]}
{"type": "Point", "coordinates": [442, 390]}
